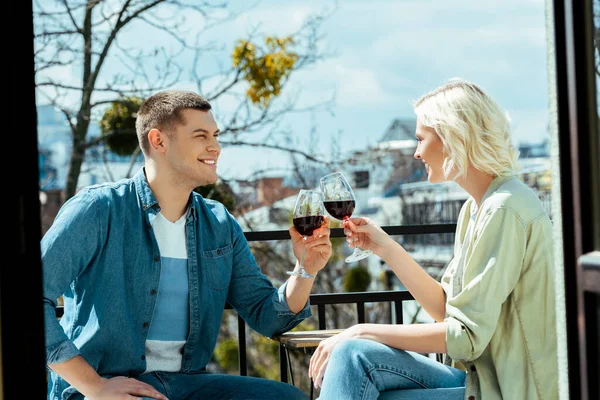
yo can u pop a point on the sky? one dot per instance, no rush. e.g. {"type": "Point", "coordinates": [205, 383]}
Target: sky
{"type": "Point", "coordinates": [382, 55]}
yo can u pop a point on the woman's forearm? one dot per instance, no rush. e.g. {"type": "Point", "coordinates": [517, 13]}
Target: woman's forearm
{"type": "Point", "coordinates": [421, 338]}
{"type": "Point", "coordinates": [427, 291]}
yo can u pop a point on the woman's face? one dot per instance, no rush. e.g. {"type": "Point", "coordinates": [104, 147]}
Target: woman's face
{"type": "Point", "coordinates": [430, 150]}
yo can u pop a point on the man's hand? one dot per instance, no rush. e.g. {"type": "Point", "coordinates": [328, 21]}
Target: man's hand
{"type": "Point", "coordinates": [317, 247]}
{"type": "Point", "coordinates": [122, 388]}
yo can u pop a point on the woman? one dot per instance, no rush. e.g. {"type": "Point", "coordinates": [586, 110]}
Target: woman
{"type": "Point", "coordinates": [494, 307]}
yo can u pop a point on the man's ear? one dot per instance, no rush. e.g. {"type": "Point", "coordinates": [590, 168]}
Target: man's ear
{"type": "Point", "coordinates": [156, 138]}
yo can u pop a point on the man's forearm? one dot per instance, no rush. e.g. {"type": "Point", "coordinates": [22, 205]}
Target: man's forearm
{"type": "Point", "coordinates": [297, 293]}
{"type": "Point", "coordinates": [421, 338]}
{"type": "Point", "coordinates": [79, 374]}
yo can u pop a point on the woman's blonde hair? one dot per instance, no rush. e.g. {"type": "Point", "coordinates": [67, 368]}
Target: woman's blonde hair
{"type": "Point", "coordinates": [472, 127]}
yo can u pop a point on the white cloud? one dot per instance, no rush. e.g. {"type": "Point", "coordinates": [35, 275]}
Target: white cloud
{"type": "Point", "coordinates": [351, 84]}
{"type": "Point", "coordinates": [387, 53]}
{"type": "Point", "coordinates": [280, 20]}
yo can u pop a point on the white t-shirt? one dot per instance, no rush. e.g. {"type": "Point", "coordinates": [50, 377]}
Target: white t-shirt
{"type": "Point", "coordinates": [170, 321]}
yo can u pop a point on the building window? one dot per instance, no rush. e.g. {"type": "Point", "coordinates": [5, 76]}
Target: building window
{"type": "Point", "coordinates": [361, 179]}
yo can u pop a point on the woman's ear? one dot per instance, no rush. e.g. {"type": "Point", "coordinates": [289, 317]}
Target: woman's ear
{"type": "Point", "coordinates": [156, 139]}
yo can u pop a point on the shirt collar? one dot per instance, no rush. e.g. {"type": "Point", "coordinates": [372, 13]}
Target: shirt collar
{"type": "Point", "coordinates": [494, 185]}
{"type": "Point", "coordinates": [146, 195]}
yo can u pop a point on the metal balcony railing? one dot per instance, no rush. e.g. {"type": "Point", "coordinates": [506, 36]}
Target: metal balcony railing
{"type": "Point", "coordinates": [321, 300]}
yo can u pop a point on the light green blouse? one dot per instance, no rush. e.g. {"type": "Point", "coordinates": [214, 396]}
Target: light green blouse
{"type": "Point", "coordinates": [500, 296]}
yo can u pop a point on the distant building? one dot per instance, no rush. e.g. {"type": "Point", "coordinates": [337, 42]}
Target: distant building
{"type": "Point", "coordinates": [534, 150]}
{"type": "Point", "coordinates": [392, 189]}
{"type": "Point", "coordinates": [380, 169]}
{"type": "Point", "coordinates": [55, 146]}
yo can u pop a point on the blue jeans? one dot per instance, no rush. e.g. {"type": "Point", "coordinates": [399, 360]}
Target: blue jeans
{"type": "Point", "coordinates": [364, 369]}
{"type": "Point", "coordinates": [178, 386]}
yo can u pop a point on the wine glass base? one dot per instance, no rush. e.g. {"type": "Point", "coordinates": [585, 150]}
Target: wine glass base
{"type": "Point", "coordinates": [357, 256]}
{"type": "Point", "coordinates": [303, 274]}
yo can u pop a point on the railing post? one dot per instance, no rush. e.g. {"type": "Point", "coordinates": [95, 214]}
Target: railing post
{"type": "Point", "coordinates": [321, 309]}
{"type": "Point", "coordinates": [399, 312]}
{"type": "Point", "coordinates": [283, 363]}
{"type": "Point", "coordinates": [242, 346]}
{"type": "Point", "coordinates": [360, 310]}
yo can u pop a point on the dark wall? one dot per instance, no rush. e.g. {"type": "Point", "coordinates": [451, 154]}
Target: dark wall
{"type": "Point", "coordinates": [20, 274]}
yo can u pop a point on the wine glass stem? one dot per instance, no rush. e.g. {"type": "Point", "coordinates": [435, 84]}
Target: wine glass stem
{"type": "Point", "coordinates": [345, 219]}
{"type": "Point", "coordinates": [302, 257]}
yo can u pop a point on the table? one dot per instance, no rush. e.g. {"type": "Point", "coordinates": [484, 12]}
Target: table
{"type": "Point", "coordinates": [306, 341]}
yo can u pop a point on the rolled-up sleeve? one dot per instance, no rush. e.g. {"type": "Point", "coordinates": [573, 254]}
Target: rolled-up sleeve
{"type": "Point", "coordinates": [492, 266]}
{"type": "Point", "coordinates": [67, 249]}
{"type": "Point", "coordinates": [254, 297]}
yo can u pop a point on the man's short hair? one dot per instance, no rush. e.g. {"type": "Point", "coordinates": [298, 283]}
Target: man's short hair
{"type": "Point", "coordinates": [163, 111]}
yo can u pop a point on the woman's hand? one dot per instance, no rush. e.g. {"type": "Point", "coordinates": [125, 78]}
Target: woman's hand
{"type": "Point", "coordinates": [320, 358]}
{"type": "Point", "coordinates": [366, 234]}
{"type": "Point", "coordinates": [317, 247]}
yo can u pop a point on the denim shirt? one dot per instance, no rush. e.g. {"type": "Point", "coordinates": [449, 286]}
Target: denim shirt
{"type": "Point", "coordinates": [101, 255]}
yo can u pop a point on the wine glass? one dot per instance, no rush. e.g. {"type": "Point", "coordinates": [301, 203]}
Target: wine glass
{"type": "Point", "coordinates": [308, 216]}
{"type": "Point", "coordinates": [339, 202]}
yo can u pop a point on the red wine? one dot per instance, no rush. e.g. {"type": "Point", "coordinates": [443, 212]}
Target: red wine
{"type": "Point", "coordinates": [306, 225]}
{"type": "Point", "coordinates": [340, 209]}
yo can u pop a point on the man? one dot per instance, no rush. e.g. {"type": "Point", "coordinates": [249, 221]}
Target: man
{"type": "Point", "coordinates": [145, 266]}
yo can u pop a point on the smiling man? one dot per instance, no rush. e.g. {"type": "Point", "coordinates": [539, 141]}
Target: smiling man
{"type": "Point", "coordinates": [145, 266]}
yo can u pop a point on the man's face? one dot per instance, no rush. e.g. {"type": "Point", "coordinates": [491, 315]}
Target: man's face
{"type": "Point", "coordinates": [194, 149]}
{"type": "Point", "coordinates": [430, 150]}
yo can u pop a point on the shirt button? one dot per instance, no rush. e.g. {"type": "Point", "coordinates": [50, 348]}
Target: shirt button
{"type": "Point", "coordinates": [156, 258]}
{"type": "Point", "coordinates": [144, 358]}
{"type": "Point", "coordinates": [219, 251]}
{"type": "Point", "coordinates": [473, 368]}
{"type": "Point", "coordinates": [146, 324]}
{"type": "Point", "coordinates": [153, 291]}
{"type": "Point", "coordinates": [149, 226]}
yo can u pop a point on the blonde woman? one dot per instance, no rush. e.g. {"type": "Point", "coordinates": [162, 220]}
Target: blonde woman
{"type": "Point", "coordinates": [494, 306]}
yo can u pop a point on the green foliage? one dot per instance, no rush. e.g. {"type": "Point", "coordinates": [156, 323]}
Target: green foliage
{"type": "Point", "coordinates": [268, 364]}
{"type": "Point", "coordinates": [226, 355]}
{"type": "Point", "coordinates": [383, 277]}
{"type": "Point", "coordinates": [357, 279]}
{"type": "Point", "coordinates": [304, 326]}
{"type": "Point", "coordinates": [219, 192]}
{"type": "Point", "coordinates": [265, 69]}
{"type": "Point", "coordinates": [118, 126]}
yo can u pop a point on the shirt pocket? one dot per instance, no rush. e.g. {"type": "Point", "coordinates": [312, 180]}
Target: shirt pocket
{"type": "Point", "coordinates": [218, 263]}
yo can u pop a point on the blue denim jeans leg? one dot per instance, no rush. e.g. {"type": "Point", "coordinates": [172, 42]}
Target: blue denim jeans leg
{"type": "Point", "coordinates": [206, 386]}
{"type": "Point", "coordinates": [364, 369]}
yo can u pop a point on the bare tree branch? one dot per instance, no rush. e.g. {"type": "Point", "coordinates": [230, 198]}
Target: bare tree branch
{"type": "Point", "coordinates": [70, 13]}
{"type": "Point", "coordinates": [58, 44]}
{"type": "Point", "coordinates": [109, 89]}
{"type": "Point", "coordinates": [67, 113]}
{"type": "Point", "coordinates": [132, 161]}
{"type": "Point", "coordinates": [276, 147]}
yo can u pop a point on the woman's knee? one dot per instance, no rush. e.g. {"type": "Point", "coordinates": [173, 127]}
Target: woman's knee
{"type": "Point", "coordinates": [353, 351]}
{"type": "Point", "coordinates": [366, 353]}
